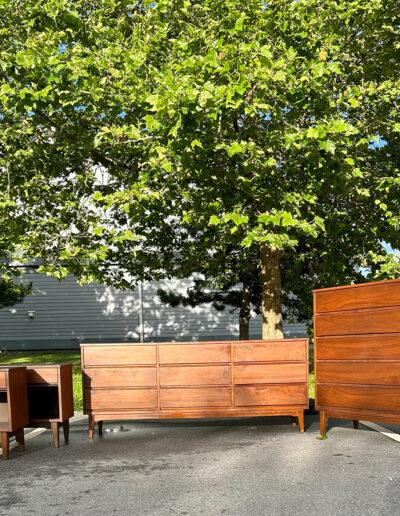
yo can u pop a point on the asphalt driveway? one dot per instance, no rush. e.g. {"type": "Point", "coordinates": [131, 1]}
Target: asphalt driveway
{"type": "Point", "coordinates": [223, 467]}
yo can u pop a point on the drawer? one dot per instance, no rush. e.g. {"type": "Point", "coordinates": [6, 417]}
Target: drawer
{"type": "Point", "coordinates": [384, 373]}
{"type": "Point", "coordinates": [270, 351]}
{"type": "Point", "coordinates": [380, 399]}
{"type": "Point", "coordinates": [195, 375]}
{"type": "Point", "coordinates": [358, 322]}
{"type": "Point", "coordinates": [41, 375]}
{"type": "Point", "coordinates": [247, 395]}
{"type": "Point", "coordinates": [372, 295]}
{"type": "Point", "coordinates": [3, 380]}
{"type": "Point", "coordinates": [120, 377]}
{"type": "Point", "coordinates": [119, 355]}
{"type": "Point", "coordinates": [385, 346]}
{"type": "Point", "coordinates": [117, 399]}
{"type": "Point", "coordinates": [270, 373]}
{"type": "Point", "coordinates": [194, 353]}
{"type": "Point", "coordinates": [194, 397]}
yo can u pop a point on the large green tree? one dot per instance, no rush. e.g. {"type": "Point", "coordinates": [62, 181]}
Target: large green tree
{"type": "Point", "coordinates": [132, 131]}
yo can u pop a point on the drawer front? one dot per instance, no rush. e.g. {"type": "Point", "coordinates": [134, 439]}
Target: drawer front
{"type": "Point", "coordinates": [41, 375]}
{"type": "Point", "coordinates": [367, 296]}
{"type": "Point", "coordinates": [247, 395]}
{"type": "Point", "coordinates": [116, 399]}
{"type": "Point", "coordinates": [366, 373]}
{"type": "Point", "coordinates": [195, 397]}
{"type": "Point", "coordinates": [358, 347]}
{"type": "Point", "coordinates": [270, 373]}
{"type": "Point", "coordinates": [120, 377]}
{"type": "Point", "coordinates": [195, 375]}
{"type": "Point", "coordinates": [269, 351]}
{"type": "Point", "coordinates": [119, 355]}
{"type": "Point", "coordinates": [194, 353]}
{"type": "Point", "coordinates": [381, 399]}
{"type": "Point", "coordinates": [358, 322]}
{"type": "Point", "coordinates": [3, 380]}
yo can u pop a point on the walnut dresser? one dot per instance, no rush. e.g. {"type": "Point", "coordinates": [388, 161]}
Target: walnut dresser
{"type": "Point", "coordinates": [357, 352]}
{"type": "Point", "coordinates": [195, 380]}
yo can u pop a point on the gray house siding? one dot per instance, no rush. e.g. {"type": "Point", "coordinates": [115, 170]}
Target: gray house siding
{"type": "Point", "coordinates": [66, 314]}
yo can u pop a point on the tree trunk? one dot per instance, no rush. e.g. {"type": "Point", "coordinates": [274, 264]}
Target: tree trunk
{"type": "Point", "coordinates": [244, 314]}
{"type": "Point", "coordinates": [271, 292]}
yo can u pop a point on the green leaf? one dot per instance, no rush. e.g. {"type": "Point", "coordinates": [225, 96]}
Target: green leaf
{"type": "Point", "coordinates": [312, 132]}
{"type": "Point", "coordinates": [280, 75]}
{"type": "Point", "coordinates": [150, 122]}
{"type": "Point", "coordinates": [234, 148]}
{"type": "Point", "coordinates": [25, 58]}
{"type": "Point", "coordinates": [214, 221]}
{"type": "Point", "coordinates": [196, 143]}
{"type": "Point", "coordinates": [328, 145]}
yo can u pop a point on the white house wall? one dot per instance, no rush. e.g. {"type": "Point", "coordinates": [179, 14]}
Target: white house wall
{"type": "Point", "coordinates": [66, 314]}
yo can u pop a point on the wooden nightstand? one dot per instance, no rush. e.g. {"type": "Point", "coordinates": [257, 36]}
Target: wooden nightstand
{"type": "Point", "coordinates": [13, 406]}
{"type": "Point", "coordinates": [50, 398]}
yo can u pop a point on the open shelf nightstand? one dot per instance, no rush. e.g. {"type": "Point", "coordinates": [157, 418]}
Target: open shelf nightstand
{"type": "Point", "coordinates": [50, 398]}
{"type": "Point", "coordinates": [13, 406]}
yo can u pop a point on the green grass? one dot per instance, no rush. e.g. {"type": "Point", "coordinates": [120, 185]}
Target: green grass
{"type": "Point", "coordinates": [50, 357]}
{"type": "Point", "coordinates": [74, 357]}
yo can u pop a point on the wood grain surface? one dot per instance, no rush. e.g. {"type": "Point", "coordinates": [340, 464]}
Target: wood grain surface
{"type": "Point", "coordinates": [270, 351]}
{"type": "Point", "coordinates": [366, 373]}
{"type": "Point", "coordinates": [270, 373]}
{"type": "Point", "coordinates": [195, 375]}
{"type": "Point", "coordinates": [195, 353]}
{"type": "Point", "coordinates": [372, 295]}
{"type": "Point", "coordinates": [358, 322]}
{"type": "Point", "coordinates": [270, 395]}
{"type": "Point", "coordinates": [119, 355]}
{"type": "Point", "coordinates": [384, 346]}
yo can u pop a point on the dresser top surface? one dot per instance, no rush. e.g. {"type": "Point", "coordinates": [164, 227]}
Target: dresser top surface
{"type": "Point", "coordinates": [193, 343]}
{"type": "Point", "coordinates": [357, 285]}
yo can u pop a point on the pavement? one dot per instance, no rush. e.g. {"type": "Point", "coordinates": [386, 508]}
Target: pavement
{"type": "Point", "coordinates": [257, 466]}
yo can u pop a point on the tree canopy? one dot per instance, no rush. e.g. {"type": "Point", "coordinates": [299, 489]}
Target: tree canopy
{"type": "Point", "coordinates": [130, 132]}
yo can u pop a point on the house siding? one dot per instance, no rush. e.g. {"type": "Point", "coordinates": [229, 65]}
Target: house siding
{"type": "Point", "coordinates": [67, 314]}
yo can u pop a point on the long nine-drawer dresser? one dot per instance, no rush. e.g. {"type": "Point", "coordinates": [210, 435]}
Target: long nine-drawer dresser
{"type": "Point", "coordinates": [195, 380]}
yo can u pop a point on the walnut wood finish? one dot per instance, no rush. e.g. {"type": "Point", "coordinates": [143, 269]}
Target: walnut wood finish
{"type": "Point", "coordinates": [366, 295]}
{"type": "Point", "coordinates": [195, 380]}
{"type": "Point", "coordinates": [194, 353]}
{"type": "Point", "coordinates": [357, 352]}
{"type": "Point", "coordinates": [3, 380]}
{"type": "Point", "coordinates": [13, 407]}
{"type": "Point", "coordinates": [50, 398]}
{"type": "Point", "coordinates": [195, 375]}
{"type": "Point", "coordinates": [358, 322]}
{"type": "Point", "coordinates": [359, 347]}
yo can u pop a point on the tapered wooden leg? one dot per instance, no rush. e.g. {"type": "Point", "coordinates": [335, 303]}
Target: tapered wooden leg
{"type": "Point", "coordinates": [355, 424]}
{"type": "Point", "coordinates": [56, 436]}
{"type": "Point", "coordinates": [294, 421]}
{"type": "Point", "coordinates": [322, 422]}
{"type": "Point", "coordinates": [65, 426]}
{"type": "Point", "coordinates": [301, 420]}
{"type": "Point", "coordinates": [5, 444]}
{"type": "Point", "coordinates": [91, 426]}
{"type": "Point", "coordinates": [19, 437]}
{"type": "Point", "coordinates": [100, 423]}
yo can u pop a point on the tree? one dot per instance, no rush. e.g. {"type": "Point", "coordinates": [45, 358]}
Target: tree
{"type": "Point", "coordinates": [127, 128]}
{"type": "Point", "coordinates": [11, 292]}
{"type": "Point", "coordinates": [224, 278]}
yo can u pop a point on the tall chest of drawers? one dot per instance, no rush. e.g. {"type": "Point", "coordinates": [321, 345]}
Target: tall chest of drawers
{"type": "Point", "coordinates": [195, 380]}
{"type": "Point", "coordinates": [357, 352]}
